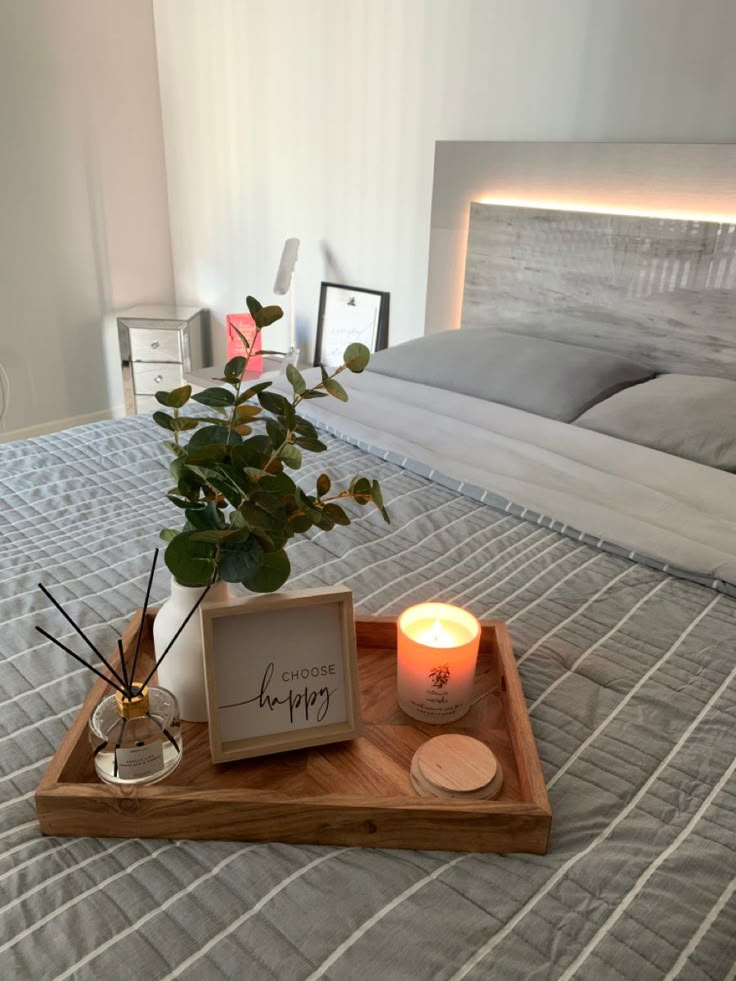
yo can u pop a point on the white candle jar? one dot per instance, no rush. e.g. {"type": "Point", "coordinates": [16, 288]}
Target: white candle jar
{"type": "Point", "coordinates": [437, 651]}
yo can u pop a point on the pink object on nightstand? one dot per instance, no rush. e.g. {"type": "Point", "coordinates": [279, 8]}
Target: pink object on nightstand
{"type": "Point", "coordinates": [235, 347]}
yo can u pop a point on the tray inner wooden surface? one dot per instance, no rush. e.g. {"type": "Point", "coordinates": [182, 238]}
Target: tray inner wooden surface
{"type": "Point", "coordinates": [376, 765]}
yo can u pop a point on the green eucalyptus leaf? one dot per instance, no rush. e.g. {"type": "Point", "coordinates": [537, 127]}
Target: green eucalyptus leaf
{"type": "Point", "coordinates": [276, 432]}
{"type": "Point", "coordinates": [299, 523]}
{"type": "Point", "coordinates": [219, 535]}
{"type": "Point", "coordinates": [291, 455]}
{"type": "Point", "coordinates": [323, 485]}
{"type": "Point", "coordinates": [190, 562]}
{"type": "Point", "coordinates": [335, 389]}
{"type": "Point", "coordinates": [164, 420]}
{"type": "Point", "coordinates": [180, 396]}
{"type": "Point", "coordinates": [324, 372]}
{"type": "Point", "coordinates": [204, 518]}
{"type": "Point", "coordinates": [176, 468]}
{"type": "Point", "coordinates": [377, 498]}
{"type": "Point", "coordinates": [184, 423]}
{"type": "Point", "coordinates": [290, 416]}
{"type": "Point", "coordinates": [296, 379]}
{"type": "Point", "coordinates": [241, 335]}
{"type": "Point", "coordinates": [176, 398]}
{"type": "Point", "coordinates": [324, 521]}
{"type": "Point", "coordinates": [215, 397]}
{"type": "Point", "coordinates": [252, 452]}
{"type": "Point", "coordinates": [168, 534]}
{"type": "Point", "coordinates": [253, 306]}
{"type": "Point", "coordinates": [280, 484]}
{"type": "Point", "coordinates": [253, 390]}
{"type": "Point", "coordinates": [239, 560]}
{"type": "Point", "coordinates": [234, 368]}
{"type": "Point", "coordinates": [180, 502]}
{"type": "Point", "coordinates": [312, 394]}
{"type": "Point", "coordinates": [267, 316]}
{"type": "Point", "coordinates": [211, 420]}
{"type": "Point", "coordinates": [361, 490]}
{"type": "Point", "coordinates": [272, 402]}
{"type": "Point", "coordinates": [356, 357]}
{"type": "Point", "coordinates": [221, 481]}
{"type": "Point", "coordinates": [336, 513]}
{"type": "Point", "coordinates": [203, 455]}
{"type": "Point", "coordinates": [246, 413]}
{"type": "Point", "coordinates": [304, 427]}
{"type": "Point", "coordinates": [273, 572]}
{"type": "Point", "coordinates": [307, 443]}
{"type": "Point", "coordinates": [270, 503]}
{"type": "Point", "coordinates": [212, 435]}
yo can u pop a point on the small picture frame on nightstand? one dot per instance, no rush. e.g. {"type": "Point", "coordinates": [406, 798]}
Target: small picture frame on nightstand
{"type": "Point", "coordinates": [349, 314]}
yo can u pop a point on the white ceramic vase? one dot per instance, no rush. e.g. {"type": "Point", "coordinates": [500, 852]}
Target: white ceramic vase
{"type": "Point", "coordinates": [182, 670]}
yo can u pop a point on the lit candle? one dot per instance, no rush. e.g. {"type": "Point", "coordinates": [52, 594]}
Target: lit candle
{"type": "Point", "coordinates": [437, 647]}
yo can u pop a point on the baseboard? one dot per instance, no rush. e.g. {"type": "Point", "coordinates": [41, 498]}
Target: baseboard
{"type": "Point", "coordinates": [56, 425]}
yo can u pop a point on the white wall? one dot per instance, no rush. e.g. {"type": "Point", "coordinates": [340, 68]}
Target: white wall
{"type": "Point", "coordinates": [84, 227]}
{"type": "Point", "coordinates": [317, 118]}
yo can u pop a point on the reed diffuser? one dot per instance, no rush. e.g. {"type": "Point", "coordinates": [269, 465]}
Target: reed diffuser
{"type": "Point", "coordinates": [135, 731]}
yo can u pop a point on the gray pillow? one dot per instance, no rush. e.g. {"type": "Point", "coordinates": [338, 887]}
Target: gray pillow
{"type": "Point", "coordinates": [687, 415]}
{"type": "Point", "coordinates": [549, 378]}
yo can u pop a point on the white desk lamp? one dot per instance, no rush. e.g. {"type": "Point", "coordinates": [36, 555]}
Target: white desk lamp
{"type": "Point", "coordinates": [285, 283]}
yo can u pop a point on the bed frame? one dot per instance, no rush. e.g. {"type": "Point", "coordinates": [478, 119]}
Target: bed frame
{"type": "Point", "coordinates": [660, 290]}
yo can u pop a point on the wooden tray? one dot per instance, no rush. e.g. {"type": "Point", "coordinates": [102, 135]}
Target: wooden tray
{"type": "Point", "coordinates": [350, 793]}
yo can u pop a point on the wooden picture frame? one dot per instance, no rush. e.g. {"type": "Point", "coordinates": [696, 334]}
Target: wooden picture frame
{"type": "Point", "coordinates": [348, 314]}
{"type": "Point", "coordinates": [281, 672]}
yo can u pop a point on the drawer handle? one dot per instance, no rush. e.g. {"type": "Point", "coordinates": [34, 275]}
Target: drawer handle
{"type": "Point", "coordinates": [158, 379]}
{"type": "Point", "coordinates": [155, 344]}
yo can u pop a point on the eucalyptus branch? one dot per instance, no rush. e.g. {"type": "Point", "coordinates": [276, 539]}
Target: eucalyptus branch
{"type": "Point", "coordinates": [248, 351]}
{"type": "Point", "coordinates": [294, 403]}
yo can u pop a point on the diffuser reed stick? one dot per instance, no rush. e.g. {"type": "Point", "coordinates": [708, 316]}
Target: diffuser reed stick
{"type": "Point", "coordinates": [81, 633]}
{"type": "Point", "coordinates": [143, 616]}
{"type": "Point", "coordinates": [81, 660]}
{"type": "Point", "coordinates": [124, 668]}
{"type": "Point", "coordinates": [125, 683]}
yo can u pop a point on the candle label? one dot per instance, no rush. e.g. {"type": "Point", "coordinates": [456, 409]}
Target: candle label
{"type": "Point", "coordinates": [140, 761]}
{"type": "Point", "coordinates": [443, 698]}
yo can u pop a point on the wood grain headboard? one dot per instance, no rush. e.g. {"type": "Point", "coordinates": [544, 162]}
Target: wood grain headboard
{"type": "Point", "coordinates": [660, 290]}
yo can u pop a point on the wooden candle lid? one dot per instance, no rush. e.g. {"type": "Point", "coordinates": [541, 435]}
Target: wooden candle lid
{"type": "Point", "coordinates": [456, 766]}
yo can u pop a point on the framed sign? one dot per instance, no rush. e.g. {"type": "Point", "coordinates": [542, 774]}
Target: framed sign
{"type": "Point", "coordinates": [348, 314]}
{"type": "Point", "coordinates": [281, 672]}
{"type": "Point", "coordinates": [235, 347]}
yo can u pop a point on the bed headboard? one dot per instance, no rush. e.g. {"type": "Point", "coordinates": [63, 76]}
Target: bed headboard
{"type": "Point", "coordinates": [660, 290]}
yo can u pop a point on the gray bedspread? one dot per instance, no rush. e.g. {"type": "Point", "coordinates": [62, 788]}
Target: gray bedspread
{"type": "Point", "coordinates": [630, 679]}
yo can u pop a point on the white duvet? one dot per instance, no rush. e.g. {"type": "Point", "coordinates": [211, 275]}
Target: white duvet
{"type": "Point", "coordinates": [676, 511]}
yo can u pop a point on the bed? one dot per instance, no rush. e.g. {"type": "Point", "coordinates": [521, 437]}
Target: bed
{"type": "Point", "coordinates": [613, 565]}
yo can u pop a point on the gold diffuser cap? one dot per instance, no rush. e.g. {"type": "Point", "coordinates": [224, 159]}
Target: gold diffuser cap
{"type": "Point", "coordinates": [132, 708]}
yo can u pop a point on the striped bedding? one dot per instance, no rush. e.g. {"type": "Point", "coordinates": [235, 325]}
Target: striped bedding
{"type": "Point", "coordinates": [630, 676]}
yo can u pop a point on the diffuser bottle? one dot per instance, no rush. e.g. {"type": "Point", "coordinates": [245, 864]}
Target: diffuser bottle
{"type": "Point", "coordinates": [136, 740]}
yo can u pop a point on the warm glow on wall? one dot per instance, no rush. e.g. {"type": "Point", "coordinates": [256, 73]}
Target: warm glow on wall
{"type": "Point", "coordinates": [607, 209]}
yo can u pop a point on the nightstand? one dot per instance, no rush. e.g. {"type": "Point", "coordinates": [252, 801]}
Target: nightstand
{"type": "Point", "coordinates": [158, 344]}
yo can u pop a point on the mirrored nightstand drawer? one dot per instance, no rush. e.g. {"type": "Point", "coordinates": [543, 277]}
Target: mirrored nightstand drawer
{"type": "Point", "coordinates": [151, 378]}
{"type": "Point", "coordinates": [154, 345]}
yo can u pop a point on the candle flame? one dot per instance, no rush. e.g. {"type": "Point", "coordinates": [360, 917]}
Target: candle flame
{"type": "Point", "coordinates": [437, 633]}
